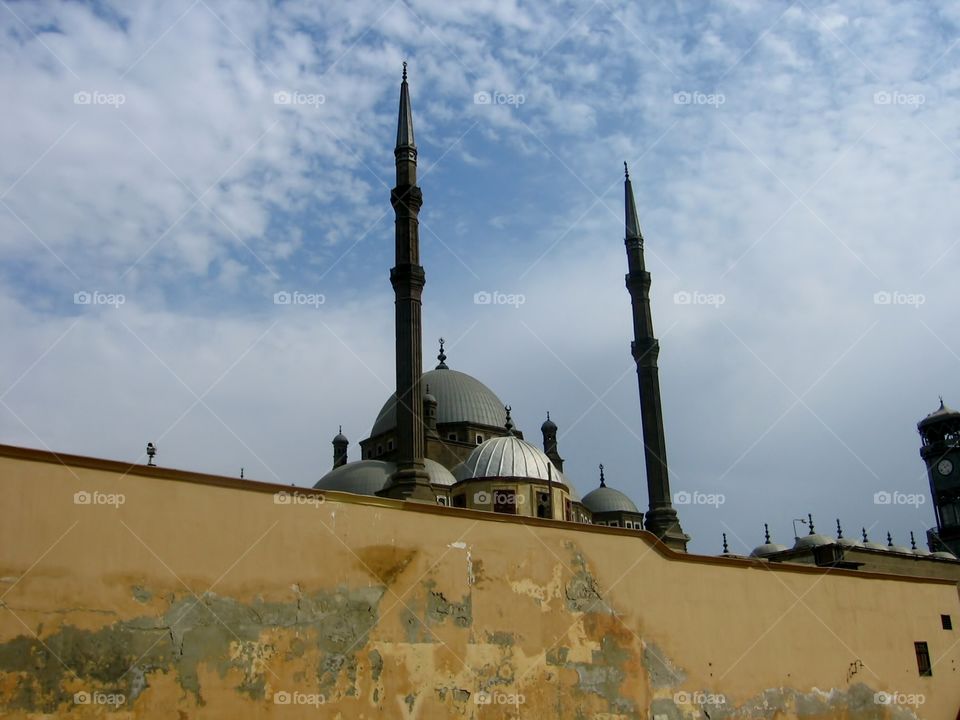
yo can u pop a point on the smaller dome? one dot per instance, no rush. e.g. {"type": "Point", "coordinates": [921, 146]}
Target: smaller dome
{"type": "Point", "coordinates": [605, 499]}
{"type": "Point", "coordinates": [921, 551]}
{"type": "Point", "coordinates": [846, 542]}
{"type": "Point", "coordinates": [849, 542]}
{"type": "Point", "coordinates": [944, 555]}
{"type": "Point", "coordinates": [768, 547]}
{"type": "Point", "coordinates": [508, 457]}
{"type": "Point", "coordinates": [869, 545]}
{"type": "Point", "coordinates": [897, 548]}
{"type": "Point", "coordinates": [941, 413]}
{"type": "Point", "coordinates": [548, 425]}
{"type": "Point", "coordinates": [364, 477]}
{"type": "Point", "coordinates": [340, 437]}
{"type": "Point", "coordinates": [368, 477]}
{"type": "Point", "coordinates": [813, 540]}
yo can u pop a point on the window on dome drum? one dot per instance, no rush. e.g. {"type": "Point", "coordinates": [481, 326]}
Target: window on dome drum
{"type": "Point", "coordinates": [543, 505]}
{"type": "Point", "coordinates": [628, 525]}
{"type": "Point", "coordinates": [505, 501]}
{"type": "Point", "coordinates": [479, 439]}
{"type": "Point", "coordinates": [441, 500]}
{"type": "Point", "coordinates": [947, 622]}
{"type": "Point", "coordinates": [460, 501]}
{"type": "Point", "coordinates": [567, 510]}
{"type": "Point", "coordinates": [923, 659]}
{"type": "Point", "coordinates": [614, 523]}
{"type": "Point", "coordinates": [389, 445]}
{"type": "Point", "coordinates": [600, 522]}
{"type": "Point", "coordinates": [451, 436]}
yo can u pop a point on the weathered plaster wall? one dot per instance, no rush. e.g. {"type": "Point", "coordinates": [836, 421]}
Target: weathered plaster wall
{"type": "Point", "coordinates": [199, 599]}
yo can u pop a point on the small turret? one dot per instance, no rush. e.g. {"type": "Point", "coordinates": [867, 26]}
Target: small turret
{"type": "Point", "coordinates": [340, 444]}
{"type": "Point", "coordinates": [549, 430]}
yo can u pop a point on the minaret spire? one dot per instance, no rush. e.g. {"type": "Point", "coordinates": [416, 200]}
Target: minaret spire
{"type": "Point", "coordinates": [405, 119]}
{"type": "Point", "coordinates": [630, 204]}
{"type": "Point", "coordinates": [662, 517]}
{"type": "Point", "coordinates": [410, 481]}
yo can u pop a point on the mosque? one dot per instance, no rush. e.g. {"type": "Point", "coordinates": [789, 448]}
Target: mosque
{"type": "Point", "coordinates": [452, 441]}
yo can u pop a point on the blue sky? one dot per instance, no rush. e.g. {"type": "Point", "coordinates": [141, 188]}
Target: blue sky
{"type": "Point", "coordinates": [791, 161]}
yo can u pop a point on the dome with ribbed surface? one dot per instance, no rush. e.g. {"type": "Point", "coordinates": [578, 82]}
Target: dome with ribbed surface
{"type": "Point", "coordinates": [460, 398]}
{"type": "Point", "coordinates": [508, 456]}
{"type": "Point", "coordinates": [367, 477]}
{"type": "Point", "coordinates": [605, 499]}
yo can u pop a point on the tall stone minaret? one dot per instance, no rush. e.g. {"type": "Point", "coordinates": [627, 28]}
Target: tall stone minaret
{"type": "Point", "coordinates": [662, 518]}
{"type": "Point", "coordinates": [410, 481]}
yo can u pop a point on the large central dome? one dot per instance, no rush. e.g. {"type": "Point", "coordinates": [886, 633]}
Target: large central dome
{"type": "Point", "coordinates": [460, 398]}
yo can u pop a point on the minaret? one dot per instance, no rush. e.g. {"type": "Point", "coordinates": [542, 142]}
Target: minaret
{"type": "Point", "coordinates": [549, 430]}
{"type": "Point", "coordinates": [410, 481]}
{"type": "Point", "coordinates": [661, 519]}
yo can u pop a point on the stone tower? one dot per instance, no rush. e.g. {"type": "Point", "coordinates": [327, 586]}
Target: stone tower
{"type": "Point", "coordinates": [662, 518]}
{"type": "Point", "coordinates": [410, 481]}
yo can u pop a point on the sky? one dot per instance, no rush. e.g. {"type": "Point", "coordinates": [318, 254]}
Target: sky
{"type": "Point", "coordinates": [170, 167]}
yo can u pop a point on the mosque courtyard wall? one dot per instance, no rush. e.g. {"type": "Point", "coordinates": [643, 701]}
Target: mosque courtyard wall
{"type": "Point", "coordinates": [137, 592]}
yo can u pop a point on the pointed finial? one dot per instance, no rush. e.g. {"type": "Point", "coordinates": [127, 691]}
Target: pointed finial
{"type": "Point", "coordinates": [865, 535]}
{"type": "Point", "coordinates": [241, 473]}
{"type": "Point", "coordinates": [941, 402]}
{"type": "Point", "coordinates": [630, 209]}
{"type": "Point", "coordinates": [839, 530]}
{"type": "Point", "coordinates": [766, 533]}
{"type": "Point", "coordinates": [889, 540]}
{"type": "Point", "coordinates": [442, 357]}
{"type": "Point", "coordinates": [603, 482]}
{"type": "Point", "coordinates": [509, 423]}
{"type": "Point", "coordinates": [340, 429]}
{"type": "Point", "coordinates": [913, 541]}
{"type": "Point", "coordinates": [810, 518]}
{"type": "Point", "coordinates": [726, 550]}
{"type": "Point", "coordinates": [404, 70]}
{"type": "Point", "coordinates": [548, 414]}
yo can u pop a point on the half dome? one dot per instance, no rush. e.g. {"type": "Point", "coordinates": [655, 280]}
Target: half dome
{"type": "Point", "coordinates": [460, 398]}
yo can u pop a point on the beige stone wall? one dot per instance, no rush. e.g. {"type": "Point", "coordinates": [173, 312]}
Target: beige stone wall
{"type": "Point", "coordinates": [198, 598]}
